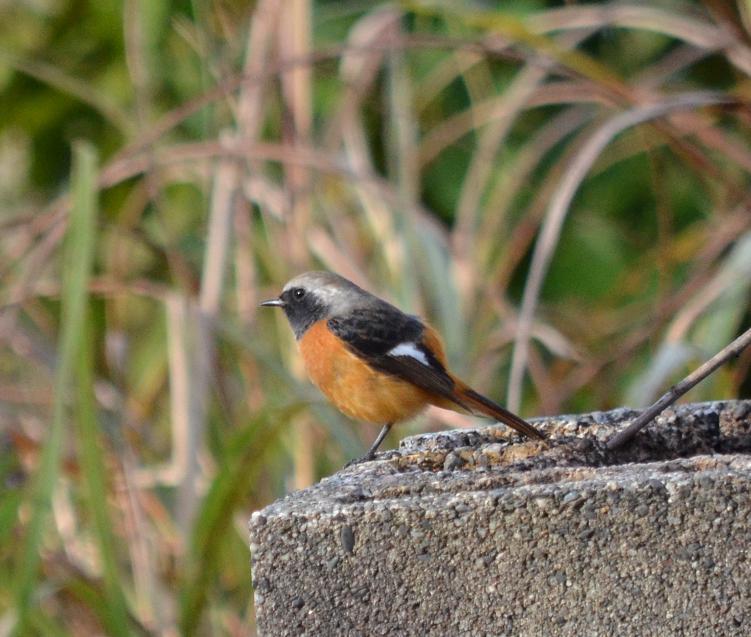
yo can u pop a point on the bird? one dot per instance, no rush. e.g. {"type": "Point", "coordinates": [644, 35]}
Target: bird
{"type": "Point", "coordinates": [375, 363]}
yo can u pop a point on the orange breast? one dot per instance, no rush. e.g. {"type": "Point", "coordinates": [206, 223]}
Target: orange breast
{"type": "Point", "coordinates": [356, 389]}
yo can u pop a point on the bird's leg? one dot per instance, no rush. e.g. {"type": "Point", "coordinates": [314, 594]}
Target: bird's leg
{"type": "Point", "coordinates": [377, 442]}
{"type": "Point", "coordinates": [373, 448]}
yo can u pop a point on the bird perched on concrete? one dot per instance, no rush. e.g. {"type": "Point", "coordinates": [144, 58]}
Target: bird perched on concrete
{"type": "Point", "coordinates": [374, 362]}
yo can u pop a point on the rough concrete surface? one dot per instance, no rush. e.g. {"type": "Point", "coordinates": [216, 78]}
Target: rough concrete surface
{"type": "Point", "coordinates": [473, 532]}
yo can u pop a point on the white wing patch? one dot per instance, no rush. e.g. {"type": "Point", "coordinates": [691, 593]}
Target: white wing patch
{"type": "Point", "coordinates": [409, 349]}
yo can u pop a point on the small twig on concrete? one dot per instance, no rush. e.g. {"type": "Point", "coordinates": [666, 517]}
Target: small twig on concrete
{"type": "Point", "coordinates": [676, 391]}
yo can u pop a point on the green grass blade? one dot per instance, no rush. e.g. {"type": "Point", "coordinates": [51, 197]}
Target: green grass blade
{"type": "Point", "coordinates": [77, 261]}
{"type": "Point", "coordinates": [114, 612]}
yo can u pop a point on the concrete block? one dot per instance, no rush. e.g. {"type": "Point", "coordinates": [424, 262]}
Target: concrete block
{"type": "Point", "coordinates": [472, 532]}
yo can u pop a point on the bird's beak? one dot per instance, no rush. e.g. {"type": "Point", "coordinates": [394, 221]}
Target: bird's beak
{"type": "Point", "coordinates": [273, 303]}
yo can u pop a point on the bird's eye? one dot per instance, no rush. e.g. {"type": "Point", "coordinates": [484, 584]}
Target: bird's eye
{"type": "Point", "coordinates": [298, 293]}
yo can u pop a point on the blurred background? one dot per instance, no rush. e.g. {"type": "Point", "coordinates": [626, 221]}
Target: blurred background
{"type": "Point", "coordinates": [562, 188]}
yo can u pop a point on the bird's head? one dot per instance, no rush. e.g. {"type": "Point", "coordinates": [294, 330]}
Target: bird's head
{"type": "Point", "coordinates": [314, 296]}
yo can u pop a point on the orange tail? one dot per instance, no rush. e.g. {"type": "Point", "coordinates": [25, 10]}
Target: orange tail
{"type": "Point", "coordinates": [475, 403]}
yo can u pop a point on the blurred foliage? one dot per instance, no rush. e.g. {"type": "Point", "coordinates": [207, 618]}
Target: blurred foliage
{"type": "Point", "coordinates": [562, 188]}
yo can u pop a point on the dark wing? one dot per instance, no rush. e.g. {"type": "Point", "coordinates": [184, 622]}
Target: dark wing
{"type": "Point", "coordinates": [375, 332]}
{"type": "Point", "coordinates": [395, 343]}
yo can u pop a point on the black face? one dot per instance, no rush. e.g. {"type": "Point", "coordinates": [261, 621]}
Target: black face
{"type": "Point", "coordinates": [302, 309]}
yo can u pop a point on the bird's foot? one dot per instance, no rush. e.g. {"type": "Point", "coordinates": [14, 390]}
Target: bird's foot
{"type": "Point", "coordinates": [366, 458]}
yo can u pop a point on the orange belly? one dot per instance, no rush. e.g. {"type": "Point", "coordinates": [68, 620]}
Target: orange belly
{"type": "Point", "coordinates": [356, 389]}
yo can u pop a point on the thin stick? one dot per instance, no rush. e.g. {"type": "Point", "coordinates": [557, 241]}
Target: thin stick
{"type": "Point", "coordinates": [676, 391]}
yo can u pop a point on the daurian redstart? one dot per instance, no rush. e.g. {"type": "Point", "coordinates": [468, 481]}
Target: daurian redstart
{"type": "Point", "coordinates": [374, 362]}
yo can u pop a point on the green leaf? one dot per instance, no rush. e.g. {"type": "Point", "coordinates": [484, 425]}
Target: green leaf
{"type": "Point", "coordinates": [77, 258]}
{"type": "Point", "coordinates": [114, 612]}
